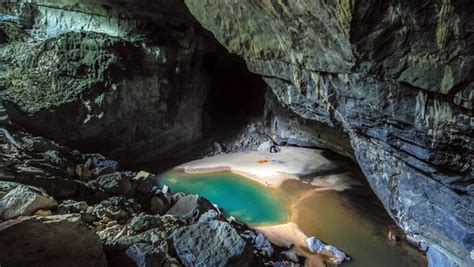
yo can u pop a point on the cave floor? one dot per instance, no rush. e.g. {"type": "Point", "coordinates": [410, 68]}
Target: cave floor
{"type": "Point", "coordinates": [329, 200]}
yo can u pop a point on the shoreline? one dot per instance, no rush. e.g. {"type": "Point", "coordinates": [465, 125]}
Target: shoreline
{"type": "Point", "coordinates": [276, 169]}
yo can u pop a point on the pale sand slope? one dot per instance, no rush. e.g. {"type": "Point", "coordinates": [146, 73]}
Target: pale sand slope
{"type": "Point", "coordinates": [283, 233]}
{"type": "Point", "coordinates": [290, 163]}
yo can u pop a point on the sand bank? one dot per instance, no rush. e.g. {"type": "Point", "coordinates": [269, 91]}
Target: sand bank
{"type": "Point", "coordinates": [270, 169]}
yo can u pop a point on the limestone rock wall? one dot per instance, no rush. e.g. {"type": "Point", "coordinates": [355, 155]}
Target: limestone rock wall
{"type": "Point", "coordinates": [397, 76]}
{"type": "Point", "coordinates": [105, 78]}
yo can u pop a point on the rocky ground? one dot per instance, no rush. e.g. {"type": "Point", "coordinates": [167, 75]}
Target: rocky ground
{"type": "Point", "coordinates": [61, 207]}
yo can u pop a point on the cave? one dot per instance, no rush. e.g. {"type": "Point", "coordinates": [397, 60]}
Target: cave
{"type": "Point", "coordinates": [235, 94]}
{"type": "Point", "coordinates": [236, 133]}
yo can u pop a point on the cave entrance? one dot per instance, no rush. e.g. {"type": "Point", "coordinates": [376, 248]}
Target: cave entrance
{"type": "Point", "coordinates": [236, 95]}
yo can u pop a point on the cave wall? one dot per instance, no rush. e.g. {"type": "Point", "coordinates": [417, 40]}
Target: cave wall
{"type": "Point", "coordinates": [124, 78]}
{"type": "Point", "coordinates": [397, 76]}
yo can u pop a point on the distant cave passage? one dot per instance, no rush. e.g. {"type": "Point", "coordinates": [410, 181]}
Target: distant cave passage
{"type": "Point", "coordinates": [236, 95]}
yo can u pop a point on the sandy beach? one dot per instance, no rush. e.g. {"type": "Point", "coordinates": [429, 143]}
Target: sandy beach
{"type": "Point", "coordinates": [272, 169]}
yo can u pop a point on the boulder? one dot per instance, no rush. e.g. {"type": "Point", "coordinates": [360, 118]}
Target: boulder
{"type": "Point", "coordinates": [212, 243]}
{"type": "Point", "coordinates": [157, 206]}
{"type": "Point", "coordinates": [61, 240]}
{"type": "Point", "coordinates": [190, 207]}
{"type": "Point", "coordinates": [108, 164]}
{"type": "Point", "coordinates": [143, 222]}
{"type": "Point", "coordinates": [39, 144]}
{"type": "Point", "coordinates": [335, 256]}
{"type": "Point", "coordinates": [144, 182]}
{"type": "Point", "coordinates": [55, 158]}
{"type": "Point", "coordinates": [71, 206]}
{"type": "Point", "coordinates": [146, 255]}
{"type": "Point", "coordinates": [264, 245]}
{"type": "Point", "coordinates": [22, 201]}
{"type": "Point", "coordinates": [268, 146]}
{"type": "Point", "coordinates": [115, 183]}
{"type": "Point", "coordinates": [83, 173]}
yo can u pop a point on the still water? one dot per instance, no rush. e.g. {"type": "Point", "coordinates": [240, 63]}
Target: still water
{"type": "Point", "coordinates": [352, 220]}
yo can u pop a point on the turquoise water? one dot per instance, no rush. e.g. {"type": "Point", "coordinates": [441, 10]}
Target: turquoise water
{"type": "Point", "coordinates": [239, 197]}
{"type": "Point", "coordinates": [353, 224]}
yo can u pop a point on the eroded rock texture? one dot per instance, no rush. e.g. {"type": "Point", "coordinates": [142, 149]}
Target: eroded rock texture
{"type": "Point", "coordinates": [397, 76]}
{"type": "Point", "coordinates": [105, 78]}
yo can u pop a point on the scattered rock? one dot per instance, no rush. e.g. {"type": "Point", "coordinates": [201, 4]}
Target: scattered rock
{"type": "Point", "coordinates": [108, 164]}
{"type": "Point", "coordinates": [317, 246]}
{"type": "Point", "coordinates": [157, 205]}
{"type": "Point", "coordinates": [262, 243]}
{"type": "Point", "coordinates": [55, 158]}
{"type": "Point", "coordinates": [115, 184]}
{"type": "Point", "coordinates": [83, 173]}
{"type": "Point", "coordinates": [39, 144]}
{"type": "Point", "coordinates": [290, 255]}
{"type": "Point", "coordinates": [213, 243]}
{"type": "Point", "coordinates": [189, 208]}
{"type": "Point", "coordinates": [22, 201]}
{"type": "Point", "coordinates": [209, 216]}
{"type": "Point", "coordinates": [103, 171]}
{"type": "Point", "coordinates": [146, 255]}
{"type": "Point", "coordinates": [144, 182]}
{"type": "Point", "coordinates": [143, 222]}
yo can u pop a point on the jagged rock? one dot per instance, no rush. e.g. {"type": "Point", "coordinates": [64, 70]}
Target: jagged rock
{"type": "Point", "coordinates": [108, 164]}
{"type": "Point", "coordinates": [143, 222]}
{"type": "Point", "coordinates": [115, 183]}
{"type": "Point", "coordinates": [213, 243]}
{"type": "Point", "coordinates": [91, 160]}
{"type": "Point", "coordinates": [39, 144]}
{"type": "Point", "coordinates": [209, 216]}
{"type": "Point", "coordinates": [291, 255]}
{"type": "Point", "coordinates": [189, 208]}
{"type": "Point", "coordinates": [102, 171]}
{"type": "Point", "coordinates": [264, 245]}
{"type": "Point", "coordinates": [107, 211]}
{"type": "Point", "coordinates": [71, 206]}
{"type": "Point", "coordinates": [144, 182]}
{"type": "Point", "coordinates": [83, 173]}
{"type": "Point", "coordinates": [36, 241]}
{"type": "Point", "coordinates": [22, 201]}
{"type": "Point", "coordinates": [145, 255]}
{"type": "Point", "coordinates": [317, 246]}
{"type": "Point", "coordinates": [55, 158]}
{"type": "Point", "coordinates": [157, 206]}
{"type": "Point", "coordinates": [268, 146]}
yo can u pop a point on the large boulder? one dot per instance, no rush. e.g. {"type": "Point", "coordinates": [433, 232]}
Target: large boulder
{"type": "Point", "coordinates": [23, 201]}
{"type": "Point", "coordinates": [61, 240]}
{"type": "Point", "coordinates": [213, 243]}
{"type": "Point", "coordinates": [115, 183]}
{"type": "Point", "coordinates": [190, 207]}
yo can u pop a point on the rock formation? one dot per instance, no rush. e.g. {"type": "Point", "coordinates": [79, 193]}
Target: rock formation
{"type": "Point", "coordinates": [397, 77]}
{"type": "Point", "coordinates": [109, 218]}
{"type": "Point", "coordinates": [387, 83]}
